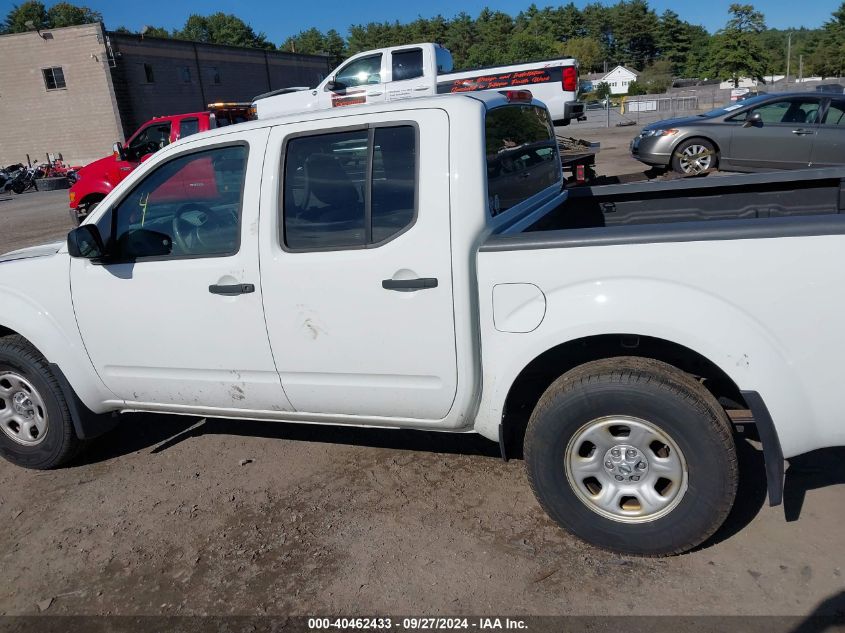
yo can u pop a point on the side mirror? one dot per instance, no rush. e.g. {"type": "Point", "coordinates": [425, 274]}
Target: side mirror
{"type": "Point", "coordinates": [333, 84]}
{"type": "Point", "coordinates": [753, 119]}
{"type": "Point", "coordinates": [84, 242]}
{"type": "Point", "coordinates": [119, 152]}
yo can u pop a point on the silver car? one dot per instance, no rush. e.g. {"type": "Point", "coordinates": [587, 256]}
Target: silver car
{"type": "Point", "coordinates": [773, 131]}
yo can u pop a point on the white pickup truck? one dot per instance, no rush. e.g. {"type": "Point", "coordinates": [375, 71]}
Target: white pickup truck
{"type": "Point", "coordinates": [417, 265]}
{"type": "Point", "coordinates": [423, 70]}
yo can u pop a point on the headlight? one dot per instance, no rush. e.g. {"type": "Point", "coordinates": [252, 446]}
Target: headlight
{"type": "Point", "coordinates": [658, 132]}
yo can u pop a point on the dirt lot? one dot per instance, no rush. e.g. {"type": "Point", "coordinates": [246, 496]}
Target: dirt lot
{"type": "Point", "coordinates": [161, 517]}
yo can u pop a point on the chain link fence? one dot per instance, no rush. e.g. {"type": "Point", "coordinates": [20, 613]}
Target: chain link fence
{"type": "Point", "coordinates": [643, 109]}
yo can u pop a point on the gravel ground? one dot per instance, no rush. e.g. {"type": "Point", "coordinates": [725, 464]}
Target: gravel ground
{"type": "Point", "coordinates": [170, 515]}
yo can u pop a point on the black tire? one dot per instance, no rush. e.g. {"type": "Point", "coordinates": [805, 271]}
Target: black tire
{"type": "Point", "coordinates": [669, 400]}
{"type": "Point", "coordinates": [678, 164]}
{"type": "Point", "coordinates": [60, 443]}
{"type": "Point", "coordinates": [18, 187]}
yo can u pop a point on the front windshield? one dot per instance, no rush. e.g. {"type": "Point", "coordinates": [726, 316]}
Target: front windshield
{"type": "Point", "coordinates": [734, 106]}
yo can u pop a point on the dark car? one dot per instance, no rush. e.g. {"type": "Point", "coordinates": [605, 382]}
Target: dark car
{"type": "Point", "coordinates": [773, 131]}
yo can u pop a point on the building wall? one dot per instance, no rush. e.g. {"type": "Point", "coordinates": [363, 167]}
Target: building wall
{"type": "Point", "coordinates": [619, 79]}
{"type": "Point", "coordinates": [187, 76]}
{"type": "Point", "coordinates": [79, 121]}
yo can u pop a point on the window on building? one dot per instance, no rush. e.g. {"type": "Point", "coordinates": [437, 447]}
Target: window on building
{"type": "Point", "coordinates": [54, 78]}
{"type": "Point", "coordinates": [214, 74]}
{"type": "Point", "coordinates": [186, 74]}
{"type": "Point", "coordinates": [349, 189]}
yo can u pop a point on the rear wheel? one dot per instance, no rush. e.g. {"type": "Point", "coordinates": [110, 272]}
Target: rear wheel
{"type": "Point", "coordinates": [694, 156]}
{"type": "Point", "coordinates": [36, 430]}
{"type": "Point", "coordinates": [632, 455]}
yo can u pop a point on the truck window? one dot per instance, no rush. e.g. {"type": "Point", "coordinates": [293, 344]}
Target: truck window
{"type": "Point", "coordinates": [188, 127]}
{"type": "Point", "coordinates": [194, 200]}
{"type": "Point", "coordinates": [522, 155]}
{"type": "Point", "coordinates": [407, 64]}
{"type": "Point", "coordinates": [361, 72]}
{"type": "Point", "coordinates": [151, 139]}
{"type": "Point", "coordinates": [330, 202]}
{"type": "Point", "coordinates": [444, 60]}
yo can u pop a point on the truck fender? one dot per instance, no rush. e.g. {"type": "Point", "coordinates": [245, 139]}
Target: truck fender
{"type": "Point", "coordinates": [717, 330]}
{"type": "Point", "coordinates": [56, 336]}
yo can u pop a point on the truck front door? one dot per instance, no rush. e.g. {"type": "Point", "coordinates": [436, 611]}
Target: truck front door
{"type": "Point", "coordinates": [357, 82]}
{"type": "Point", "coordinates": [175, 318]}
{"type": "Point", "coordinates": [356, 266]}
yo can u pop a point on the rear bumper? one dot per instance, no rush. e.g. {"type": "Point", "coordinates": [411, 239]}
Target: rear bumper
{"type": "Point", "coordinates": [573, 110]}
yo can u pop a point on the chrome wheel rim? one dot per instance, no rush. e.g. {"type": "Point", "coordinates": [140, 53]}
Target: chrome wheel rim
{"type": "Point", "coordinates": [626, 469]}
{"type": "Point", "coordinates": [695, 159]}
{"type": "Point", "coordinates": [23, 414]}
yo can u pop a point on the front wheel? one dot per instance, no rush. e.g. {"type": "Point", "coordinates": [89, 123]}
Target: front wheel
{"type": "Point", "coordinates": [694, 156]}
{"type": "Point", "coordinates": [36, 430]}
{"type": "Point", "coordinates": [632, 455]}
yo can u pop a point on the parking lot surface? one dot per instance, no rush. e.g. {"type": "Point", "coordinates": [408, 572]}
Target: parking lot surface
{"type": "Point", "coordinates": [188, 516]}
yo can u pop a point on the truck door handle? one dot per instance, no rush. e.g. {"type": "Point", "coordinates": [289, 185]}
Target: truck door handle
{"type": "Point", "coordinates": [232, 290]}
{"type": "Point", "coordinates": [802, 132]}
{"type": "Point", "coordinates": [374, 94]}
{"type": "Point", "coordinates": [421, 283]}
{"type": "Point", "coordinates": [421, 88]}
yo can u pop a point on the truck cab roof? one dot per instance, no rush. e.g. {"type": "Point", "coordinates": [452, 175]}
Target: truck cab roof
{"type": "Point", "coordinates": [489, 100]}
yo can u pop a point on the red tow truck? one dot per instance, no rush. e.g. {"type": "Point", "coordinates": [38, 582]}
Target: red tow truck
{"type": "Point", "coordinates": [97, 179]}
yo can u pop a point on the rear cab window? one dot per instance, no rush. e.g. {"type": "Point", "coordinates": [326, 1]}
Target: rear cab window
{"type": "Point", "coordinates": [407, 64]}
{"type": "Point", "coordinates": [522, 155]}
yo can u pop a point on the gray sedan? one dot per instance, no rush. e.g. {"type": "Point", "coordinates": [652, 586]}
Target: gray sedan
{"type": "Point", "coordinates": [773, 131]}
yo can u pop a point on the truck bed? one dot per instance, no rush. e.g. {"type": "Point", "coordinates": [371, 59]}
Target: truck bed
{"type": "Point", "coordinates": [785, 194]}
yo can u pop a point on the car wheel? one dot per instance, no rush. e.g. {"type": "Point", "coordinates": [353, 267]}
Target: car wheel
{"type": "Point", "coordinates": [36, 430]}
{"type": "Point", "coordinates": [694, 156]}
{"type": "Point", "coordinates": [632, 455]}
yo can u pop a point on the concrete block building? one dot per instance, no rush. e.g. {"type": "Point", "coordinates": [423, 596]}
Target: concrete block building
{"type": "Point", "coordinates": [76, 90]}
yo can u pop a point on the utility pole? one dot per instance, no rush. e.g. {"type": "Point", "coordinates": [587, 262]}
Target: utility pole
{"type": "Point", "coordinates": [788, 55]}
{"type": "Point", "coordinates": [800, 69]}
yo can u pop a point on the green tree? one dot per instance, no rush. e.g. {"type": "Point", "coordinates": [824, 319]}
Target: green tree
{"type": "Point", "coordinates": [735, 51]}
{"type": "Point", "coordinates": [602, 90]}
{"type": "Point", "coordinates": [32, 10]}
{"type": "Point", "coordinates": [586, 50]}
{"type": "Point", "coordinates": [310, 41]}
{"type": "Point", "coordinates": [828, 56]}
{"type": "Point", "coordinates": [460, 34]}
{"type": "Point", "coordinates": [634, 29]}
{"type": "Point", "coordinates": [636, 88]}
{"type": "Point", "coordinates": [222, 28]}
{"type": "Point", "coordinates": [492, 32]}
{"type": "Point", "coordinates": [67, 14]}
{"type": "Point", "coordinates": [657, 77]}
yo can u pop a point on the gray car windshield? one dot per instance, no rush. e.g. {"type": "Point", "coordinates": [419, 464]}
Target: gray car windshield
{"type": "Point", "coordinates": [734, 106]}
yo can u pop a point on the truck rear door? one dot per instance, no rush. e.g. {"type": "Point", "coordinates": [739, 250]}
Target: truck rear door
{"type": "Point", "coordinates": [356, 265]}
{"type": "Point", "coordinates": [411, 75]}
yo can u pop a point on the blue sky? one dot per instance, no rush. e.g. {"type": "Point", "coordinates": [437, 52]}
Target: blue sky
{"type": "Point", "coordinates": [280, 19]}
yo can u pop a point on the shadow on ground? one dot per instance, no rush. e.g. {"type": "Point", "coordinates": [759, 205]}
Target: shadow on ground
{"type": "Point", "coordinates": [138, 432]}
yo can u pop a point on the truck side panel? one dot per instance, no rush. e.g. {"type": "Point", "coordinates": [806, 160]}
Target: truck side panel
{"type": "Point", "coordinates": [708, 296]}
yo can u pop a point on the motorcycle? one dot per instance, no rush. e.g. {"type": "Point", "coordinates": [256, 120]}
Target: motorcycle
{"type": "Point", "coordinates": [24, 179]}
{"type": "Point", "coordinates": [9, 176]}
